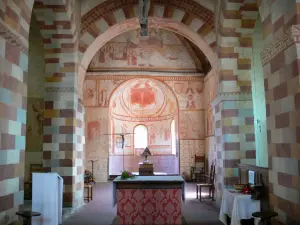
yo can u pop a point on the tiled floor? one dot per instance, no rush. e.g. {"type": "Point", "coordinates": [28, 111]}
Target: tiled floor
{"type": "Point", "coordinates": [100, 210]}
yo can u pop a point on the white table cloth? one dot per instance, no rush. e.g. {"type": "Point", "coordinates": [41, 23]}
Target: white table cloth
{"type": "Point", "coordinates": [237, 206]}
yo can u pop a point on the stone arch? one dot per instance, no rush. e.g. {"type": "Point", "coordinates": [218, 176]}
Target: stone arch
{"type": "Point", "coordinates": [154, 22]}
{"type": "Point", "coordinates": [107, 14]}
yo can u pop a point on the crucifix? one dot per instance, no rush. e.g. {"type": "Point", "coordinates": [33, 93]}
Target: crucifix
{"type": "Point", "coordinates": [144, 6]}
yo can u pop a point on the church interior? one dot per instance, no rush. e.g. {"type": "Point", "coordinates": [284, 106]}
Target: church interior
{"type": "Point", "coordinates": [178, 111]}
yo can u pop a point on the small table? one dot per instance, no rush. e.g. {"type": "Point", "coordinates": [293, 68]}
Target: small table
{"type": "Point", "coordinates": [27, 215]}
{"type": "Point", "coordinates": [238, 206]}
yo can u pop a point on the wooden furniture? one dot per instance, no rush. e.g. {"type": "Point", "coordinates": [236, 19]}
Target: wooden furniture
{"type": "Point", "coordinates": [198, 170]}
{"type": "Point", "coordinates": [137, 193]}
{"type": "Point", "coordinates": [209, 184]}
{"type": "Point", "coordinates": [265, 217]}
{"type": "Point", "coordinates": [33, 168]}
{"type": "Point", "coordinates": [27, 215]}
{"type": "Point", "coordinates": [146, 169]}
{"type": "Point", "coordinates": [89, 191]}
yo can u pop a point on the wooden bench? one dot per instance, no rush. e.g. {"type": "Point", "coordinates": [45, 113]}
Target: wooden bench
{"type": "Point", "coordinates": [89, 188]}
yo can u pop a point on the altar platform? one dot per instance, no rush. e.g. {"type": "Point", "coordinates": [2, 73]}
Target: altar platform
{"type": "Point", "coordinates": [149, 200]}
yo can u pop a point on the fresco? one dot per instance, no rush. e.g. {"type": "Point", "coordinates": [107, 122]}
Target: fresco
{"type": "Point", "coordinates": [144, 101]}
{"type": "Point", "coordinates": [188, 93]}
{"type": "Point", "coordinates": [97, 92]}
{"type": "Point", "coordinates": [162, 50]}
{"type": "Point", "coordinates": [159, 136]}
{"type": "Point", "coordinates": [35, 124]}
{"type": "Point", "coordinates": [130, 101]}
{"type": "Point", "coordinates": [192, 125]}
{"type": "Point", "coordinates": [97, 144]}
{"type": "Point", "coordinates": [139, 99]}
{"type": "Point", "coordinates": [89, 93]}
{"type": "Point", "coordinates": [209, 122]}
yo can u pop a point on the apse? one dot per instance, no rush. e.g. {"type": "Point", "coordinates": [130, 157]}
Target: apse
{"type": "Point", "coordinates": [152, 104]}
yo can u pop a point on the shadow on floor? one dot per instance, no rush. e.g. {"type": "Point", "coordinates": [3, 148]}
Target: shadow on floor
{"type": "Point", "coordinates": [100, 210]}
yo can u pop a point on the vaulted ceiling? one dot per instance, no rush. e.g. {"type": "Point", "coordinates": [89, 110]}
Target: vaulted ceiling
{"type": "Point", "coordinates": [98, 15]}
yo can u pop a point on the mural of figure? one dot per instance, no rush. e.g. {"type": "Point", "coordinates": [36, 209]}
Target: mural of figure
{"type": "Point", "coordinates": [209, 122]}
{"type": "Point", "coordinates": [93, 130]}
{"type": "Point", "coordinates": [190, 102]}
{"type": "Point", "coordinates": [89, 94]}
{"type": "Point", "coordinates": [102, 55]}
{"type": "Point", "coordinates": [167, 134]}
{"type": "Point", "coordinates": [38, 109]}
{"type": "Point", "coordinates": [134, 58]}
{"type": "Point", "coordinates": [152, 135]}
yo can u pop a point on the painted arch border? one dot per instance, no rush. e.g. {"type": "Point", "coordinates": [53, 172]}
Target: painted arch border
{"type": "Point", "coordinates": [131, 24]}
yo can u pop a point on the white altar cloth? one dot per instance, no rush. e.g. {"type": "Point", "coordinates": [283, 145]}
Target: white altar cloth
{"type": "Point", "coordinates": [237, 206]}
{"type": "Point", "coordinates": [47, 198]}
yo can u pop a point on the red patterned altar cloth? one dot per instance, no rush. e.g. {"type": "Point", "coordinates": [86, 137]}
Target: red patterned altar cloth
{"type": "Point", "coordinates": [149, 206]}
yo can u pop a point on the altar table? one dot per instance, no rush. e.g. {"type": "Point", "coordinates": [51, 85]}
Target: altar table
{"type": "Point", "coordinates": [237, 206]}
{"type": "Point", "coordinates": [149, 200]}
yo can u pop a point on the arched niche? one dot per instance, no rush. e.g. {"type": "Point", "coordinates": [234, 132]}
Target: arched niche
{"type": "Point", "coordinates": [148, 102]}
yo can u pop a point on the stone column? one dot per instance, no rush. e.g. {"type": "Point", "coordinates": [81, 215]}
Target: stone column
{"type": "Point", "coordinates": [64, 113]}
{"type": "Point", "coordinates": [233, 108]}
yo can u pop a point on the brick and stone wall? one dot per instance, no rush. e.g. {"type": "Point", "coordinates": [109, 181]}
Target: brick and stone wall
{"type": "Point", "coordinates": [279, 60]}
{"type": "Point", "coordinates": [61, 152]}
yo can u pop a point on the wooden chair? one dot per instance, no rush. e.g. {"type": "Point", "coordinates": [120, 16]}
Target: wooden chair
{"type": "Point", "coordinates": [198, 170]}
{"type": "Point", "coordinates": [209, 184]}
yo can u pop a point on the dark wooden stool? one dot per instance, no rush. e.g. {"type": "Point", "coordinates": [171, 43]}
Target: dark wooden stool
{"type": "Point", "coordinates": [27, 215]}
{"type": "Point", "coordinates": [265, 217]}
{"type": "Point", "coordinates": [89, 188]}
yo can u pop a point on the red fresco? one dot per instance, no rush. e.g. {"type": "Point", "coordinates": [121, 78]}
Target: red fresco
{"type": "Point", "coordinates": [142, 96]}
{"type": "Point", "coordinates": [149, 206]}
{"type": "Point", "coordinates": [93, 130]}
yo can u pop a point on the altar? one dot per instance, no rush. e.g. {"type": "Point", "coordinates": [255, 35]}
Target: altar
{"type": "Point", "coordinates": [149, 200]}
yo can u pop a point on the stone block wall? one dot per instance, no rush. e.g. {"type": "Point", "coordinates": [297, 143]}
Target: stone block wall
{"type": "Point", "coordinates": [188, 150]}
{"type": "Point", "coordinates": [279, 59]}
{"type": "Point", "coordinates": [13, 104]}
{"type": "Point", "coordinates": [60, 145]}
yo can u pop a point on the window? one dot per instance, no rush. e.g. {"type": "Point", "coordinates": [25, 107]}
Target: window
{"type": "Point", "coordinates": [140, 136]}
{"type": "Point", "coordinates": [173, 137]}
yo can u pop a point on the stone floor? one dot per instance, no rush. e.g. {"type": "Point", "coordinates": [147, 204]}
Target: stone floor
{"type": "Point", "coordinates": [100, 210]}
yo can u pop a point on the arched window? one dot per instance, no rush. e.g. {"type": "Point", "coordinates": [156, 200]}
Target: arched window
{"type": "Point", "coordinates": [140, 136]}
{"type": "Point", "coordinates": [173, 136]}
